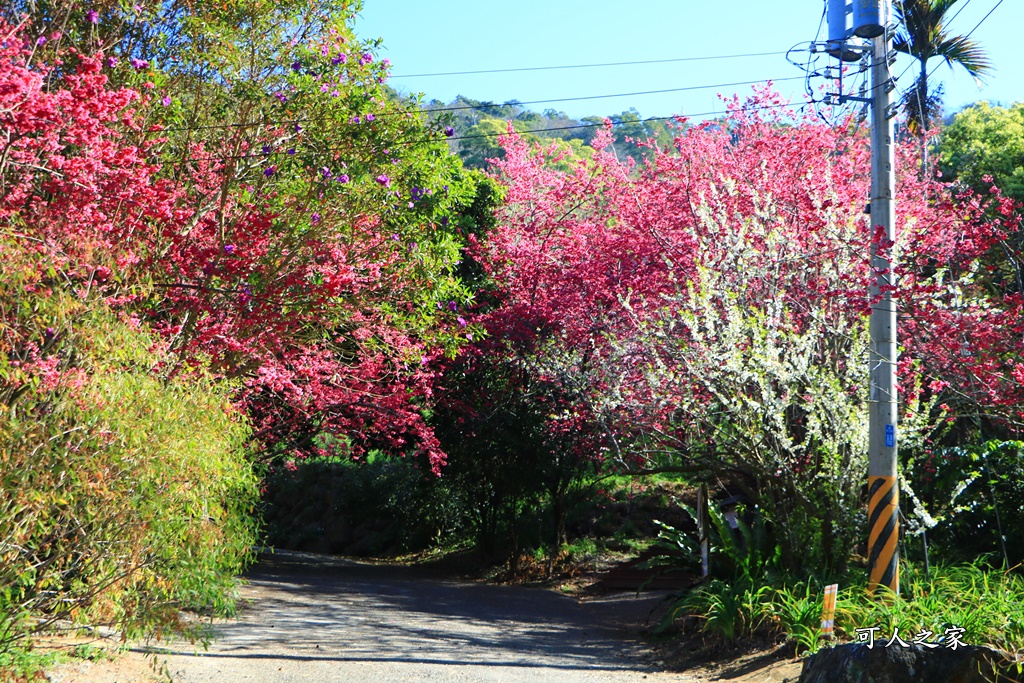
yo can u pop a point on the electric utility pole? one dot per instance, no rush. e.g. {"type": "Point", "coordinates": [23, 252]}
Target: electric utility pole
{"type": "Point", "coordinates": [883, 489]}
{"type": "Point", "coordinates": [850, 22]}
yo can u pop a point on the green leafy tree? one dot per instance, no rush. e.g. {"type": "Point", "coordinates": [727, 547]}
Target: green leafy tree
{"type": "Point", "coordinates": [985, 141]}
{"type": "Point", "coordinates": [981, 150]}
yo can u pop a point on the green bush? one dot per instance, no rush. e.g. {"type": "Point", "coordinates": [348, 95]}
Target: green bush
{"type": "Point", "coordinates": [126, 496]}
{"type": "Point", "coordinates": [383, 505]}
{"type": "Point", "coordinates": [988, 605]}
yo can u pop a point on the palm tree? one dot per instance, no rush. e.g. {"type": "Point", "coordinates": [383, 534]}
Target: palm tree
{"type": "Point", "coordinates": [923, 35]}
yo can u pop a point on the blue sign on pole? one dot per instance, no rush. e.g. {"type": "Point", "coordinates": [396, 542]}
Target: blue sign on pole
{"type": "Point", "coordinates": [890, 435]}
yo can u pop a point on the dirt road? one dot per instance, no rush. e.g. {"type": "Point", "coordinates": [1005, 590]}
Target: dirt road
{"type": "Point", "coordinates": [316, 618]}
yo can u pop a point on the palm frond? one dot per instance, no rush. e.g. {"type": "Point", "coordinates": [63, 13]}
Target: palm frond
{"type": "Point", "coordinates": [964, 52]}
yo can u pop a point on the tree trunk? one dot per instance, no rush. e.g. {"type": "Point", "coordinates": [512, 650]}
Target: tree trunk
{"type": "Point", "coordinates": [923, 107]}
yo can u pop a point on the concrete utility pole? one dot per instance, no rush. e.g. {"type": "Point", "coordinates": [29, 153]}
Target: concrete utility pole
{"type": "Point", "coordinates": [883, 489]}
{"type": "Point", "coordinates": [850, 22]}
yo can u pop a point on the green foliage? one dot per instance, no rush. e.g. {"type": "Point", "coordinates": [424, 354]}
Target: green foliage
{"type": "Point", "coordinates": [970, 501]}
{"type": "Point", "coordinates": [985, 141]}
{"type": "Point", "coordinates": [745, 563]}
{"type": "Point", "coordinates": [728, 609]}
{"type": "Point", "coordinates": [380, 506]}
{"type": "Point", "coordinates": [748, 553]}
{"type": "Point", "coordinates": [988, 605]}
{"type": "Point", "coordinates": [798, 609]}
{"type": "Point", "coordinates": [477, 127]}
{"type": "Point", "coordinates": [125, 500]}
{"type": "Point", "coordinates": [517, 448]}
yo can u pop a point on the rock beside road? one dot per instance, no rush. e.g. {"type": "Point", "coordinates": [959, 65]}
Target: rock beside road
{"type": "Point", "coordinates": [857, 663]}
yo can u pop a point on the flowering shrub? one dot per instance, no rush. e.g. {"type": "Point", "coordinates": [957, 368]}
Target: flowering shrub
{"type": "Point", "coordinates": [720, 293]}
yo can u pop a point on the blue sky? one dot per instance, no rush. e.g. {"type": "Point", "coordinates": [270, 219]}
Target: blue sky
{"type": "Point", "coordinates": [432, 36]}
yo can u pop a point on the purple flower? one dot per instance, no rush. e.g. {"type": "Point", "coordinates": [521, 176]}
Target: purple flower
{"type": "Point", "coordinates": [386, 62]}
{"type": "Point", "coordinates": [314, 219]}
{"type": "Point", "coordinates": [366, 59]}
{"type": "Point", "coordinates": [461, 321]}
{"type": "Point", "coordinates": [324, 88]}
{"type": "Point", "coordinates": [296, 67]}
{"type": "Point", "coordinates": [370, 117]}
{"type": "Point", "coordinates": [41, 40]}
{"type": "Point", "coordinates": [281, 97]}
{"type": "Point", "coordinates": [49, 333]}
{"type": "Point", "coordinates": [269, 172]}
{"type": "Point", "coordinates": [229, 249]}
{"type": "Point", "coordinates": [93, 17]}
{"type": "Point", "coordinates": [340, 59]}
{"type": "Point", "coordinates": [334, 93]}
{"type": "Point", "coordinates": [291, 151]}
{"type": "Point", "coordinates": [112, 62]}
{"type": "Point", "coordinates": [266, 149]}
{"type": "Point", "coordinates": [139, 63]}
{"type": "Point", "coordinates": [355, 119]}
{"type": "Point", "coordinates": [326, 172]}
{"type": "Point", "coordinates": [343, 178]}
{"type": "Point", "coordinates": [298, 128]}
{"type": "Point", "coordinates": [384, 180]}
{"type": "Point", "coordinates": [452, 306]}
{"type": "Point", "coordinates": [166, 101]}
{"type": "Point", "coordinates": [449, 131]}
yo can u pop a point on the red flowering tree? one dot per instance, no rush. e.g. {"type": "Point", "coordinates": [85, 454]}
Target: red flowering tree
{"type": "Point", "coordinates": [106, 462]}
{"type": "Point", "coordinates": [720, 292]}
{"type": "Point", "coordinates": [294, 227]}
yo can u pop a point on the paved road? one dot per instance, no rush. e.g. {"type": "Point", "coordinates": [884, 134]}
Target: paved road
{"type": "Point", "coordinates": [314, 618]}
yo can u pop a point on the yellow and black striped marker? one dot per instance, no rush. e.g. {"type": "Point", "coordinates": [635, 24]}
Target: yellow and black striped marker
{"type": "Point", "coordinates": [883, 532]}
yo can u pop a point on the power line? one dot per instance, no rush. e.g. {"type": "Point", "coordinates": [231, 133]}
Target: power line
{"type": "Point", "coordinates": [962, 7]}
{"type": "Point", "coordinates": [976, 27]}
{"type": "Point", "coordinates": [625, 94]}
{"type": "Point", "coordinates": [421, 141]}
{"type": "Point", "coordinates": [587, 66]}
{"type": "Point", "coordinates": [491, 105]}
{"type": "Point", "coordinates": [620, 123]}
